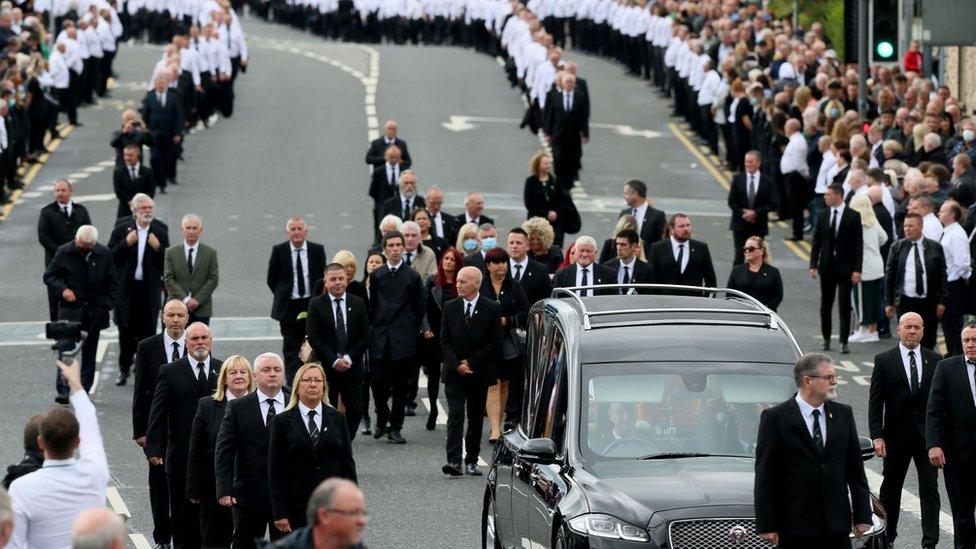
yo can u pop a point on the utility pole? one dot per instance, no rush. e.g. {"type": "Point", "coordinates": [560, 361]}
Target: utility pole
{"type": "Point", "coordinates": [862, 59]}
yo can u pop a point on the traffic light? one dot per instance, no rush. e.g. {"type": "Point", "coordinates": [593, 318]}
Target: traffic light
{"type": "Point", "coordinates": [884, 27]}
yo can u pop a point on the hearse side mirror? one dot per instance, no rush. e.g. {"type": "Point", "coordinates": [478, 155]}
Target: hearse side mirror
{"type": "Point", "coordinates": [867, 448]}
{"type": "Point", "coordinates": [539, 449]}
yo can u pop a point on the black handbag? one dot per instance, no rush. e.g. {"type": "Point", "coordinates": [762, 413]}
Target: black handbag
{"type": "Point", "coordinates": [572, 223]}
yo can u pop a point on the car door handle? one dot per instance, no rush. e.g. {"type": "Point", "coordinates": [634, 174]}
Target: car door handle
{"type": "Point", "coordinates": [535, 476]}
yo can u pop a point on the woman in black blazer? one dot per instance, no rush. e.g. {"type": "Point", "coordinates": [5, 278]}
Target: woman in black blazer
{"type": "Point", "coordinates": [756, 276]}
{"type": "Point", "coordinates": [501, 287]}
{"type": "Point", "coordinates": [543, 196]}
{"type": "Point", "coordinates": [299, 460]}
{"type": "Point", "coordinates": [440, 289]}
{"type": "Point", "coordinates": [437, 244]}
{"type": "Point", "coordinates": [235, 380]}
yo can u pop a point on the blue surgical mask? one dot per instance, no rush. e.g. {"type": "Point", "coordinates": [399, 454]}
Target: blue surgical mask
{"type": "Point", "coordinates": [488, 243]}
{"type": "Point", "coordinates": [753, 101]}
{"type": "Point", "coordinates": [470, 245]}
{"type": "Point", "coordinates": [11, 103]}
{"type": "Point", "coordinates": [834, 113]}
{"type": "Point", "coordinates": [768, 94]}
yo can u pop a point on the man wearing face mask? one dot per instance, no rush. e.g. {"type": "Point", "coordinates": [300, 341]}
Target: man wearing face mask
{"type": "Point", "coordinates": [138, 246]}
{"type": "Point", "coordinates": [966, 143]}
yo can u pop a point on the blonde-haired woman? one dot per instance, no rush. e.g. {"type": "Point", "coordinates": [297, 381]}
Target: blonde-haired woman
{"type": "Point", "coordinates": [468, 240]}
{"type": "Point", "coordinates": [309, 443]}
{"type": "Point", "coordinates": [609, 250]}
{"type": "Point", "coordinates": [867, 293]}
{"type": "Point", "coordinates": [541, 248]}
{"type": "Point", "coordinates": [756, 276]}
{"type": "Point", "coordinates": [348, 262]}
{"type": "Point", "coordinates": [235, 380]}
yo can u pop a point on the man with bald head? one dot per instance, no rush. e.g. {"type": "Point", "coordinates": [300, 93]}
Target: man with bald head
{"type": "Point", "coordinates": [567, 127]}
{"type": "Point", "coordinates": [98, 528]}
{"type": "Point", "coordinates": [180, 386]}
{"type": "Point", "coordinates": [900, 385]}
{"type": "Point", "coordinates": [377, 147]}
{"type": "Point", "coordinates": [471, 335]}
{"type": "Point", "coordinates": [336, 516]}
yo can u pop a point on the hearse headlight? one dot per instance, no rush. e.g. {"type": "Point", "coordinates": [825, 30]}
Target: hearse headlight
{"type": "Point", "coordinates": [606, 526]}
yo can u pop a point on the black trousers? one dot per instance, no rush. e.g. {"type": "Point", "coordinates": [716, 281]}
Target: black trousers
{"type": "Point", "coordinates": [140, 324]}
{"type": "Point", "coordinates": [391, 379]}
{"type": "Point", "coordinates": [464, 398]}
{"type": "Point", "coordinates": [250, 524]}
{"type": "Point", "coordinates": [161, 160]}
{"type": "Point", "coordinates": [159, 504]}
{"type": "Point", "coordinates": [832, 283]}
{"type": "Point", "coordinates": [709, 130]}
{"type": "Point", "coordinates": [960, 483]}
{"type": "Point", "coordinates": [900, 455]}
{"type": "Point", "coordinates": [822, 541]}
{"type": "Point", "coordinates": [185, 515]}
{"type": "Point", "coordinates": [926, 309]}
{"type": "Point", "coordinates": [952, 317]}
{"type": "Point", "coordinates": [216, 524]}
{"type": "Point", "coordinates": [798, 190]}
{"type": "Point", "coordinates": [293, 335]}
{"type": "Point", "coordinates": [351, 392]}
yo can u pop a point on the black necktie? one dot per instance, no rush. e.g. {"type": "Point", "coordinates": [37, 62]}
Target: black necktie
{"type": "Point", "coordinates": [65, 210]}
{"type": "Point", "coordinates": [132, 171]}
{"type": "Point", "coordinates": [626, 274]}
{"type": "Point", "coordinates": [913, 372]}
{"type": "Point", "coordinates": [833, 227]}
{"type": "Point", "coordinates": [393, 176]}
{"type": "Point", "coordinates": [919, 276]}
{"type": "Point", "coordinates": [751, 191]}
{"type": "Point", "coordinates": [313, 429]}
{"type": "Point", "coordinates": [518, 272]}
{"type": "Point", "coordinates": [408, 257]}
{"type": "Point", "coordinates": [176, 352]}
{"type": "Point", "coordinates": [467, 313]}
{"type": "Point", "coordinates": [201, 374]}
{"type": "Point", "coordinates": [681, 257]}
{"type": "Point", "coordinates": [189, 261]}
{"type": "Point", "coordinates": [300, 272]}
{"type": "Point", "coordinates": [393, 270]}
{"type": "Point", "coordinates": [817, 433]}
{"type": "Point", "coordinates": [585, 280]}
{"type": "Point", "coordinates": [406, 209]}
{"type": "Point", "coordinates": [271, 412]}
{"type": "Point", "coordinates": [340, 320]}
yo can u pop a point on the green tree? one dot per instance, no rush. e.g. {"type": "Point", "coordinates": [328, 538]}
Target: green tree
{"type": "Point", "coordinates": [828, 12]}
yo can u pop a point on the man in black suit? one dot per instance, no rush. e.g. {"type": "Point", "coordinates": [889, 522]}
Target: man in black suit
{"type": "Point", "coordinates": [835, 258]}
{"type": "Point", "coordinates": [402, 203]}
{"type": "Point", "coordinates": [679, 259]}
{"type": "Point", "coordinates": [651, 221]}
{"type": "Point", "coordinates": [384, 183]}
{"type": "Point", "coordinates": [915, 278]}
{"type": "Point", "coordinates": [442, 224]}
{"type": "Point", "coordinates": [138, 245]}
{"type": "Point", "coordinates": [82, 274]}
{"type": "Point", "coordinates": [628, 265]}
{"type": "Point", "coordinates": [130, 179]}
{"type": "Point", "coordinates": [180, 386]}
{"type": "Point", "coordinates": [162, 111]}
{"type": "Point", "coordinates": [294, 268]}
{"type": "Point", "coordinates": [241, 454]}
{"type": "Point", "coordinates": [567, 127]}
{"type": "Point", "coordinates": [750, 199]}
{"type": "Point", "coordinates": [56, 226]}
{"type": "Point", "coordinates": [585, 272]}
{"type": "Point", "coordinates": [376, 155]}
{"type": "Point", "coordinates": [808, 460]}
{"type": "Point", "coordinates": [950, 435]}
{"type": "Point", "coordinates": [471, 336]}
{"type": "Point", "coordinates": [339, 333]}
{"type": "Point", "coordinates": [474, 207]}
{"type": "Point", "coordinates": [900, 383]}
{"type": "Point", "coordinates": [151, 354]}
{"type": "Point", "coordinates": [397, 299]}
{"type": "Point", "coordinates": [532, 275]}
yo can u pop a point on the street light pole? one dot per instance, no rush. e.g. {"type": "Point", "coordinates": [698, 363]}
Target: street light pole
{"type": "Point", "coordinates": [862, 59]}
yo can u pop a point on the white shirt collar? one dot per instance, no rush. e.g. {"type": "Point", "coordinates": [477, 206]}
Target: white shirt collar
{"type": "Point", "coordinates": [392, 266]}
{"type": "Point", "coordinates": [472, 302]}
{"type": "Point", "coordinates": [168, 342]}
{"type": "Point", "coordinates": [187, 247]}
{"type": "Point", "coordinates": [303, 247]}
{"type": "Point", "coordinates": [806, 408]}
{"type": "Point", "coordinates": [840, 210]}
{"type": "Point", "coordinates": [305, 409]}
{"type": "Point", "coordinates": [278, 397]}
{"type": "Point", "coordinates": [228, 396]}
{"type": "Point", "coordinates": [633, 260]}
{"type": "Point", "coordinates": [675, 243]}
{"type": "Point", "coordinates": [332, 298]}
{"type": "Point", "coordinates": [524, 263]}
{"type": "Point", "coordinates": [193, 364]}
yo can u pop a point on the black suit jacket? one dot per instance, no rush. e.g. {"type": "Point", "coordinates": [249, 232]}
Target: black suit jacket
{"type": "Point", "coordinates": [174, 406]}
{"type": "Point", "coordinates": [398, 304]}
{"type": "Point", "coordinates": [653, 227]}
{"type": "Point", "coordinates": [699, 272]}
{"type": "Point", "coordinates": [380, 187]}
{"type": "Point", "coordinates": [936, 282]}
{"type": "Point", "coordinates": [894, 414]}
{"type": "Point", "coordinates": [321, 329]}
{"type": "Point", "coordinates": [887, 225]}
{"type": "Point", "coordinates": [761, 204]}
{"type": "Point", "coordinates": [950, 418]}
{"type": "Point", "coordinates": [561, 125]}
{"type": "Point", "coordinates": [394, 206]}
{"type": "Point", "coordinates": [794, 481]}
{"type": "Point", "coordinates": [150, 356]}
{"type": "Point", "coordinates": [846, 249]}
{"type": "Point", "coordinates": [450, 225]}
{"type": "Point", "coordinates": [280, 273]}
{"type": "Point", "coordinates": [126, 187]}
{"type": "Point", "coordinates": [477, 340]}
{"type": "Point", "coordinates": [377, 148]}
{"type": "Point", "coordinates": [241, 456]}
{"type": "Point", "coordinates": [93, 280]}
{"type": "Point", "coordinates": [54, 229]}
{"type": "Point", "coordinates": [126, 260]}
{"type": "Point", "coordinates": [201, 481]}
{"type": "Point", "coordinates": [296, 467]}
{"type": "Point", "coordinates": [163, 122]}
{"type": "Point", "coordinates": [642, 273]}
{"type": "Point", "coordinates": [599, 275]}
{"type": "Point", "coordinates": [462, 218]}
{"type": "Point", "coordinates": [535, 281]}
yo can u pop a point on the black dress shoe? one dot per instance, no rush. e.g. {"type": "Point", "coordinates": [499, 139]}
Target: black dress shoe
{"type": "Point", "coordinates": [366, 428]}
{"type": "Point", "coordinates": [825, 346]}
{"type": "Point", "coordinates": [472, 469]}
{"type": "Point", "coordinates": [61, 399]}
{"type": "Point", "coordinates": [493, 441]}
{"type": "Point", "coordinates": [378, 432]}
{"type": "Point", "coordinates": [844, 350]}
{"type": "Point", "coordinates": [431, 420]}
{"type": "Point", "coordinates": [452, 469]}
{"type": "Point", "coordinates": [394, 437]}
{"type": "Point", "coordinates": [122, 379]}
{"type": "Point", "coordinates": [410, 412]}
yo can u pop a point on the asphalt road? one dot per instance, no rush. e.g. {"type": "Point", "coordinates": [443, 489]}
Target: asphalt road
{"type": "Point", "coordinates": [295, 145]}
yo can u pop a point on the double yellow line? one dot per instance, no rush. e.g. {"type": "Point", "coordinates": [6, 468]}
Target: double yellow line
{"type": "Point", "coordinates": [29, 171]}
{"type": "Point", "coordinates": [713, 165]}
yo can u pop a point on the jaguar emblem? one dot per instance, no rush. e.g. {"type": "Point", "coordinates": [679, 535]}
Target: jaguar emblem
{"type": "Point", "coordinates": [737, 534]}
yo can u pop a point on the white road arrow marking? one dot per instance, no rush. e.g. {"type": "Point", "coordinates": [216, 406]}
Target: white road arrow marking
{"type": "Point", "coordinates": [94, 197]}
{"type": "Point", "coordinates": [460, 123]}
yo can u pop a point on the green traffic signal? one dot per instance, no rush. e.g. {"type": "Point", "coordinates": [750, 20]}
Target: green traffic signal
{"type": "Point", "coordinates": [885, 49]}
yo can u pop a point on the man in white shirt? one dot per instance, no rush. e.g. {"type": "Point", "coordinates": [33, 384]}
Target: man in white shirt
{"type": "Point", "coordinates": [47, 501]}
{"type": "Point", "coordinates": [711, 81]}
{"type": "Point", "coordinates": [931, 226]}
{"type": "Point", "coordinates": [794, 167]}
{"type": "Point", "coordinates": [955, 244]}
